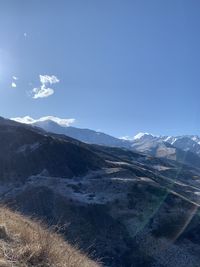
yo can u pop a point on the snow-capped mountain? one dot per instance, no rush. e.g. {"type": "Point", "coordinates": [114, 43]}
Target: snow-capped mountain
{"type": "Point", "coordinates": [185, 149]}
{"type": "Point", "coordinates": [140, 136]}
{"type": "Point", "coordinates": [62, 126]}
{"type": "Point", "coordinates": [142, 141]}
{"type": "Point", "coordinates": [186, 143]}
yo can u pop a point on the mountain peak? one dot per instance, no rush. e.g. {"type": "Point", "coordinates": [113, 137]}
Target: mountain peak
{"type": "Point", "coordinates": [138, 136]}
{"type": "Point", "coordinates": [141, 135]}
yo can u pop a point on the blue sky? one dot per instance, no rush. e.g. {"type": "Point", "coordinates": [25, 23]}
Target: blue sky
{"type": "Point", "coordinates": [123, 66]}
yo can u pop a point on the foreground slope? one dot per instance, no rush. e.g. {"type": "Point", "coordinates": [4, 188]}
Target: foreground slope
{"type": "Point", "coordinates": [25, 243]}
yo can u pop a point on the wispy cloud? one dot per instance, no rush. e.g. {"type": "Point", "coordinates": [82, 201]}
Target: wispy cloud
{"type": "Point", "coordinates": [43, 90]}
{"type": "Point", "coordinates": [15, 78]}
{"type": "Point", "coordinates": [46, 79]}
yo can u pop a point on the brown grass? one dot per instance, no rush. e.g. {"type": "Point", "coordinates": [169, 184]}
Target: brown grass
{"type": "Point", "coordinates": [25, 242]}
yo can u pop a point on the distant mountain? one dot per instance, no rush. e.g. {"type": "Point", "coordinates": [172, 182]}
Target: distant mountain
{"type": "Point", "coordinates": [185, 149]}
{"type": "Point", "coordinates": [140, 136]}
{"type": "Point", "coordinates": [185, 142]}
{"type": "Point", "coordinates": [154, 146]}
{"type": "Point", "coordinates": [56, 125]}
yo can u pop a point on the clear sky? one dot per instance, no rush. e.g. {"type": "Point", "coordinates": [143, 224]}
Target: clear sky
{"type": "Point", "coordinates": [120, 66]}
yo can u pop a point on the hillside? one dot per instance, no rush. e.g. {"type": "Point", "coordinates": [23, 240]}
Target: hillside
{"type": "Point", "coordinates": [26, 151]}
{"type": "Point", "coordinates": [25, 242]}
{"type": "Point", "coordinates": [123, 207]}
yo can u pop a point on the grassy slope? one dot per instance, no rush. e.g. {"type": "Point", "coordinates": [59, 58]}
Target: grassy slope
{"type": "Point", "coordinates": [25, 242]}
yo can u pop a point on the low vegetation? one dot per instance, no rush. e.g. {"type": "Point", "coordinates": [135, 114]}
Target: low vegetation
{"type": "Point", "coordinates": [25, 242]}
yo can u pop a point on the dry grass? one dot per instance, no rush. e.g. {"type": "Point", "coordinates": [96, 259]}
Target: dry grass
{"type": "Point", "coordinates": [24, 243]}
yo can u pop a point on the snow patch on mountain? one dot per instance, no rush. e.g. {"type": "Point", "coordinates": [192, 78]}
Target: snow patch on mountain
{"type": "Point", "coordinates": [138, 136]}
{"type": "Point", "coordinates": [142, 135]}
{"type": "Point", "coordinates": [127, 138]}
{"type": "Point", "coordinates": [59, 121]}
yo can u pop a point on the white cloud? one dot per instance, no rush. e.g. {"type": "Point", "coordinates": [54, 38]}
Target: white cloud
{"type": "Point", "coordinates": [13, 85]}
{"type": "Point", "coordinates": [29, 120]}
{"type": "Point", "coordinates": [46, 79]}
{"type": "Point", "coordinates": [44, 90]}
{"type": "Point", "coordinates": [15, 78]}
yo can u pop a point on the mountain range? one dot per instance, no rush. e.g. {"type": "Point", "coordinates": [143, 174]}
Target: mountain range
{"type": "Point", "coordinates": [185, 148]}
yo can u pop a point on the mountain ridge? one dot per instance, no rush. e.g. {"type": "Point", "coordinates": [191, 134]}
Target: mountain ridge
{"type": "Point", "coordinates": [184, 148]}
{"type": "Point", "coordinates": [50, 123]}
